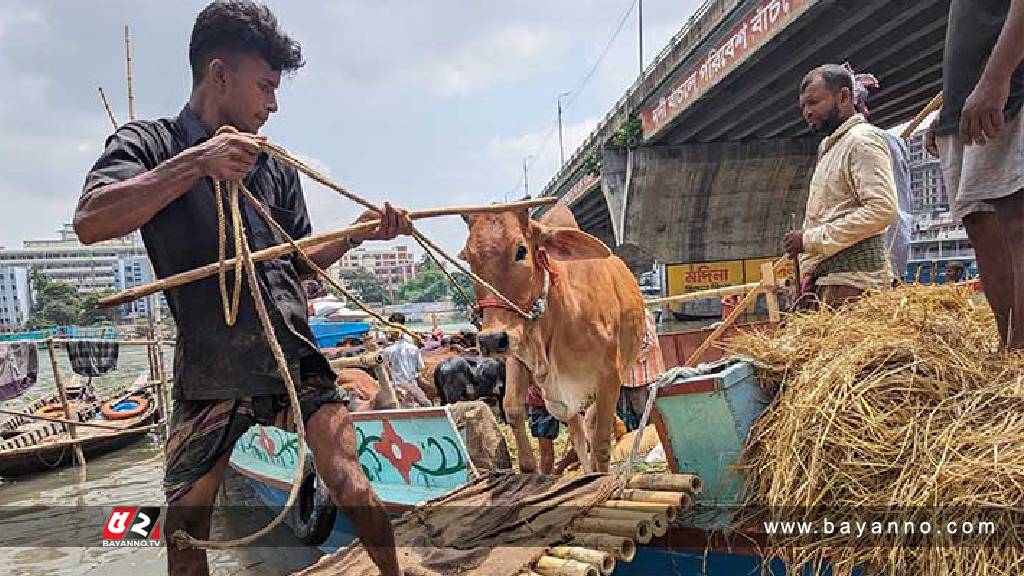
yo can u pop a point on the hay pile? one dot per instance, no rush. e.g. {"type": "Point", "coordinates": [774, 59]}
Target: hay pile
{"type": "Point", "coordinates": [895, 409]}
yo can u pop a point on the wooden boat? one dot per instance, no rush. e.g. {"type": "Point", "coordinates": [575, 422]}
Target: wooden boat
{"type": "Point", "coordinates": [409, 456]}
{"type": "Point", "coordinates": [29, 445]}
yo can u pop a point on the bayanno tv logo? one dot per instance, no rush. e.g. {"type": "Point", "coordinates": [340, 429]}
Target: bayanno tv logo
{"type": "Point", "coordinates": [132, 527]}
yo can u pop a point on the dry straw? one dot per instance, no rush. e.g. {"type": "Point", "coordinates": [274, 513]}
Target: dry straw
{"type": "Point", "coordinates": [898, 403]}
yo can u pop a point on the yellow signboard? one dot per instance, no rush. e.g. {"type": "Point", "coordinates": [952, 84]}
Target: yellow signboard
{"type": "Point", "coordinates": [696, 276]}
{"type": "Point", "coordinates": [685, 278]}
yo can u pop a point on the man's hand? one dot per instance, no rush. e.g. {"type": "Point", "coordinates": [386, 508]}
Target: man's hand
{"type": "Point", "coordinates": [229, 157]}
{"type": "Point", "coordinates": [794, 242]}
{"type": "Point", "coordinates": [982, 116]}
{"type": "Point", "coordinates": [393, 222]}
{"type": "Point", "coordinates": [929, 138]}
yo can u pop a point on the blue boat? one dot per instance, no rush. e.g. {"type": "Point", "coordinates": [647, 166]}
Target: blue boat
{"type": "Point", "coordinates": [409, 456]}
{"type": "Point", "coordinates": [329, 334]}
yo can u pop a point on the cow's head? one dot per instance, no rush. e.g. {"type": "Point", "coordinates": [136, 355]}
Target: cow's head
{"type": "Point", "coordinates": [511, 252]}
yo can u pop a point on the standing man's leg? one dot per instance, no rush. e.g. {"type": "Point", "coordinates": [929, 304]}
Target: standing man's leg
{"type": "Point", "coordinates": [332, 439]}
{"type": "Point", "coordinates": [995, 266]}
{"type": "Point", "coordinates": [1010, 213]}
{"type": "Point", "coordinates": [192, 513]}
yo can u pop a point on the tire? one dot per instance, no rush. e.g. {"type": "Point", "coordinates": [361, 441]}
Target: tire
{"type": "Point", "coordinates": [314, 513]}
{"type": "Point", "coordinates": [110, 413]}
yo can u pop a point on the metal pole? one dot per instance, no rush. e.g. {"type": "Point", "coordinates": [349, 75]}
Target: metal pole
{"type": "Point", "coordinates": [640, 32]}
{"type": "Point", "coordinates": [526, 177]}
{"type": "Point", "coordinates": [561, 147]}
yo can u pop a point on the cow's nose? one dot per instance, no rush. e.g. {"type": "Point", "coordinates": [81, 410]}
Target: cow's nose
{"type": "Point", "coordinates": [493, 342]}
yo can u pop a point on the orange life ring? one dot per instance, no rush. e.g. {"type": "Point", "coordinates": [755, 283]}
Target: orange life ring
{"type": "Point", "coordinates": [123, 409]}
{"type": "Point", "coordinates": [55, 410]}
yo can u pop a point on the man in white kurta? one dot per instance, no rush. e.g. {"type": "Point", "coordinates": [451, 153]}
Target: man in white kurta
{"type": "Point", "coordinates": [852, 198]}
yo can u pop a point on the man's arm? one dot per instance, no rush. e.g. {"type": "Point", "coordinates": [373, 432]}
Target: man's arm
{"type": "Point", "coordinates": [119, 208]}
{"type": "Point", "coordinates": [393, 222]}
{"type": "Point", "coordinates": [871, 174]}
{"type": "Point", "coordinates": [982, 116]}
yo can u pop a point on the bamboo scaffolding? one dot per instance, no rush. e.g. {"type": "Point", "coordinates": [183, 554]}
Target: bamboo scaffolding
{"type": "Point", "coordinates": [551, 566]}
{"type": "Point", "coordinates": [670, 512]}
{"type": "Point", "coordinates": [638, 530]}
{"type": "Point", "coordinates": [366, 360]}
{"type": "Point", "coordinates": [305, 243]}
{"type": "Point", "coordinates": [677, 499]}
{"type": "Point", "coordinates": [59, 381]}
{"type": "Point", "coordinates": [106, 105]}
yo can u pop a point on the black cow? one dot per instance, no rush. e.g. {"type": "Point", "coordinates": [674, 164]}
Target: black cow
{"type": "Point", "coordinates": [471, 378]}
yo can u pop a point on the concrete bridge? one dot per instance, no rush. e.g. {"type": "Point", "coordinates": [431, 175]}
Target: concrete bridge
{"type": "Point", "coordinates": [706, 156]}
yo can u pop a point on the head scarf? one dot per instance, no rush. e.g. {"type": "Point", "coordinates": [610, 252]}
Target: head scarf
{"type": "Point", "coordinates": [862, 85]}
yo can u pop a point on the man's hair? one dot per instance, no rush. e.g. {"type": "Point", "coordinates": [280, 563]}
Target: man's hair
{"type": "Point", "coordinates": [835, 76]}
{"type": "Point", "coordinates": [397, 318]}
{"type": "Point", "coordinates": [233, 27]}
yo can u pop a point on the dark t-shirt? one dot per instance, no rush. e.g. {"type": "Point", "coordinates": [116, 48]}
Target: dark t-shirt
{"type": "Point", "coordinates": [213, 360]}
{"type": "Point", "coordinates": [973, 30]}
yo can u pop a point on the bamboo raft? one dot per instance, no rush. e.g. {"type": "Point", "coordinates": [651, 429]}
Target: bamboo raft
{"type": "Point", "coordinates": [600, 537]}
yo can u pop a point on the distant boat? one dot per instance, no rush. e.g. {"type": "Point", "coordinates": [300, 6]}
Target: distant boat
{"type": "Point", "coordinates": [29, 445]}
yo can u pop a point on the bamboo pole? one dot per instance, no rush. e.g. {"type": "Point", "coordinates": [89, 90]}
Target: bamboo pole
{"type": "Point", "coordinates": [387, 387]}
{"type": "Point", "coordinates": [658, 521]}
{"type": "Point", "coordinates": [671, 498]}
{"type": "Point", "coordinates": [106, 104]}
{"type": "Point", "coordinates": [731, 319]}
{"type": "Point", "coordinates": [61, 420]}
{"type": "Point", "coordinates": [128, 69]}
{"type": "Point", "coordinates": [366, 360]}
{"type": "Point", "coordinates": [305, 243]}
{"type": "Point", "coordinates": [551, 566]}
{"type": "Point", "coordinates": [59, 381]}
{"type": "Point", "coordinates": [670, 512]}
{"type": "Point", "coordinates": [703, 294]}
{"type": "Point", "coordinates": [934, 104]}
{"type": "Point", "coordinates": [603, 561]}
{"type": "Point", "coordinates": [638, 530]}
{"type": "Point", "coordinates": [623, 548]}
{"type": "Point", "coordinates": [667, 482]}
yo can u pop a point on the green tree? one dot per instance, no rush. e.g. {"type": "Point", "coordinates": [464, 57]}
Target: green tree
{"type": "Point", "coordinates": [92, 313]}
{"type": "Point", "coordinates": [466, 283]}
{"type": "Point", "coordinates": [365, 286]}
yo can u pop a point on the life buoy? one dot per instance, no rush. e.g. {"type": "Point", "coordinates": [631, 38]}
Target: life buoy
{"type": "Point", "coordinates": [129, 407]}
{"type": "Point", "coordinates": [55, 410]}
{"type": "Point", "coordinates": [314, 512]}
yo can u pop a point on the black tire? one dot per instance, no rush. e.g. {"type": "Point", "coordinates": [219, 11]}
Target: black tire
{"type": "Point", "coordinates": [314, 512]}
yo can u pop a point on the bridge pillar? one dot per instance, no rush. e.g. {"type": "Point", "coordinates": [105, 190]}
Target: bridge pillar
{"type": "Point", "coordinates": [705, 202]}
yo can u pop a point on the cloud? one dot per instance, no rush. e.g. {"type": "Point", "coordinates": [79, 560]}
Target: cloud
{"type": "Point", "coordinates": [542, 144]}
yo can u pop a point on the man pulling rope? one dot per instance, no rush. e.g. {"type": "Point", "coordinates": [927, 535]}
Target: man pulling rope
{"type": "Point", "coordinates": [158, 176]}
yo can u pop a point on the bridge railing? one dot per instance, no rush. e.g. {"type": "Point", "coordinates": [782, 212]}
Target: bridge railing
{"type": "Point", "coordinates": [620, 104]}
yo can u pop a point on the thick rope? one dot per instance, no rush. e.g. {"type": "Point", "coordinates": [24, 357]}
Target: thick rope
{"type": "Point", "coordinates": [181, 538]}
{"type": "Point", "coordinates": [430, 254]}
{"type": "Point", "coordinates": [230, 305]}
{"type": "Point", "coordinates": [286, 157]}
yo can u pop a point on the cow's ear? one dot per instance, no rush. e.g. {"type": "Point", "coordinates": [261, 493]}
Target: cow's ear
{"type": "Point", "coordinates": [462, 255]}
{"type": "Point", "coordinates": [468, 219]}
{"type": "Point", "coordinates": [568, 243]}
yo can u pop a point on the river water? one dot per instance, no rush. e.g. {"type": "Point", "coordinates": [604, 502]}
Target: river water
{"type": "Point", "coordinates": [70, 509]}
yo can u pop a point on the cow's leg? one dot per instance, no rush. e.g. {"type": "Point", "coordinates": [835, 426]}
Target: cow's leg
{"type": "Point", "coordinates": [517, 385]}
{"type": "Point", "coordinates": [578, 435]}
{"type": "Point", "coordinates": [599, 422]}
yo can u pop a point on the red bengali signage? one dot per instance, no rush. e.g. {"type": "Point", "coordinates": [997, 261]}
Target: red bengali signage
{"type": "Point", "coordinates": [578, 189]}
{"type": "Point", "coordinates": [759, 25]}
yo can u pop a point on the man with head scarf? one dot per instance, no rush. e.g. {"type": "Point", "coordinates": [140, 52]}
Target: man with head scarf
{"type": "Point", "coordinates": [852, 197]}
{"type": "Point", "coordinates": [897, 237]}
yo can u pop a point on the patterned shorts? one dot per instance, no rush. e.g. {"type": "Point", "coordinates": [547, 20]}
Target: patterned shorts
{"type": "Point", "coordinates": [202, 431]}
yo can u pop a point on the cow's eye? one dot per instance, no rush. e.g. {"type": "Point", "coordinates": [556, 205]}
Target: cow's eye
{"type": "Point", "coordinates": [521, 253]}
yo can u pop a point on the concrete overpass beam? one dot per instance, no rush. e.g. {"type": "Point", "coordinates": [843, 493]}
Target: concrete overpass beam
{"type": "Point", "coordinates": [705, 202]}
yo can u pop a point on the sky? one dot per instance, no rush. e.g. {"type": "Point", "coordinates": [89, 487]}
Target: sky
{"type": "Point", "coordinates": [421, 103]}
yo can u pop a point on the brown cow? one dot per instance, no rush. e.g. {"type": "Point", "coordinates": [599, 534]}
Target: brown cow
{"type": "Point", "coordinates": [586, 325]}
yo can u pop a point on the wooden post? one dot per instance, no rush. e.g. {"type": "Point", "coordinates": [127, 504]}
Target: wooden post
{"type": "Point", "coordinates": [161, 374]}
{"type": "Point", "coordinates": [128, 62]}
{"type": "Point", "coordinates": [771, 296]}
{"type": "Point", "coordinates": [387, 388]}
{"type": "Point", "coordinates": [79, 454]}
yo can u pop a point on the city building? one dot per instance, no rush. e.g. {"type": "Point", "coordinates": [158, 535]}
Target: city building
{"type": "Point", "coordinates": [391, 266]}
{"type": "Point", "coordinates": [111, 265]}
{"type": "Point", "coordinates": [937, 243]}
{"type": "Point", "coordinates": [15, 298]}
{"type": "Point", "coordinates": [926, 184]}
